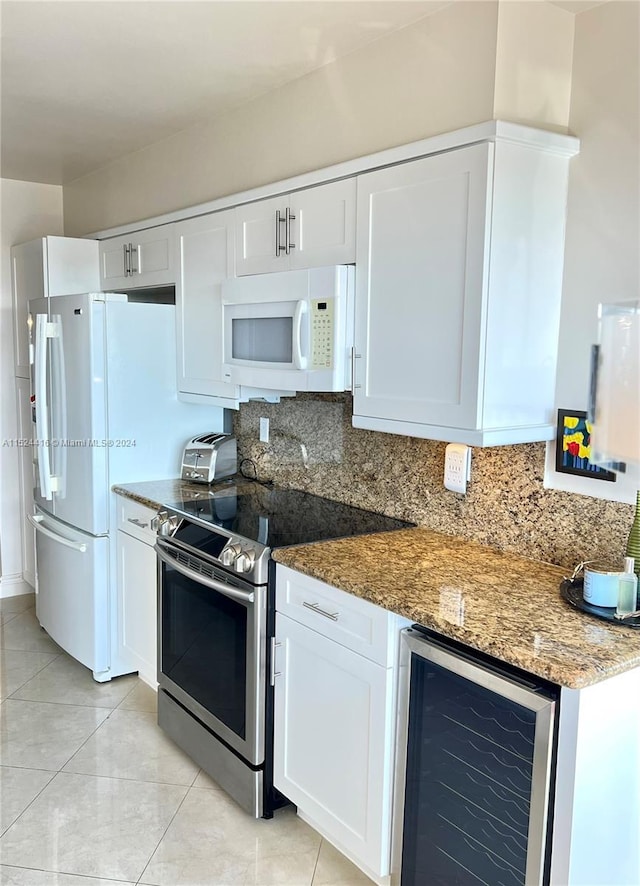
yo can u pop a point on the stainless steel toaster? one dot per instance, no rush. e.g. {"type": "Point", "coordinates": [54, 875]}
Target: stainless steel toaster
{"type": "Point", "coordinates": [209, 457]}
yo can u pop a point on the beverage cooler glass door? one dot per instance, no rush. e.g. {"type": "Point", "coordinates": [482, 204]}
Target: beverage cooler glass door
{"type": "Point", "coordinates": [210, 651]}
{"type": "Point", "coordinates": [473, 790]}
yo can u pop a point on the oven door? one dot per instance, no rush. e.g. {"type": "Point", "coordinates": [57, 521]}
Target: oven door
{"type": "Point", "coordinates": [211, 647]}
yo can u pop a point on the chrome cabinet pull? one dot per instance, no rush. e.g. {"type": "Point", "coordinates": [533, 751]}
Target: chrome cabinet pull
{"type": "Point", "coordinates": [127, 258]}
{"type": "Point", "coordinates": [288, 218]}
{"type": "Point", "coordinates": [133, 250]}
{"type": "Point", "coordinates": [274, 673]}
{"type": "Point", "coordinates": [315, 607]}
{"type": "Point", "coordinates": [137, 522]}
{"type": "Point", "coordinates": [354, 357]}
{"type": "Point", "coordinates": [279, 220]}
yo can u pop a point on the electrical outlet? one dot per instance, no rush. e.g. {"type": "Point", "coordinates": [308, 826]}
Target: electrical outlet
{"type": "Point", "coordinates": [457, 467]}
{"type": "Point", "coordinates": [264, 430]}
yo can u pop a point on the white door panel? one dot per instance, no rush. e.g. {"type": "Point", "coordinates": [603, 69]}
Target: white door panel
{"type": "Point", "coordinates": [324, 230]}
{"type": "Point", "coordinates": [79, 425]}
{"type": "Point", "coordinates": [420, 287]}
{"type": "Point", "coordinates": [73, 583]}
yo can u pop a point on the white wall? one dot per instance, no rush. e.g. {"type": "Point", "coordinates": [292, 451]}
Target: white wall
{"type": "Point", "coordinates": [533, 63]}
{"type": "Point", "coordinates": [602, 257]}
{"type": "Point", "coordinates": [434, 76]}
{"type": "Point", "coordinates": [27, 210]}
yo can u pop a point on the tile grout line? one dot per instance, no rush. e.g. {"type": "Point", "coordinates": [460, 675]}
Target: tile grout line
{"type": "Point", "coordinates": [18, 817]}
{"type": "Point", "coordinates": [80, 877]}
{"type": "Point", "coordinates": [56, 655]}
{"type": "Point", "coordinates": [315, 867]}
{"type": "Point", "coordinates": [164, 833]}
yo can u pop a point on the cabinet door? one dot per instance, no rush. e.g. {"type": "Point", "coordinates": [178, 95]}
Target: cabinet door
{"type": "Point", "coordinates": [72, 265]}
{"type": "Point", "coordinates": [420, 290]}
{"type": "Point", "coordinates": [205, 259]}
{"type": "Point", "coordinates": [257, 238]}
{"type": "Point", "coordinates": [28, 281]}
{"type": "Point", "coordinates": [137, 606]}
{"type": "Point", "coordinates": [324, 229]}
{"type": "Point", "coordinates": [152, 256]}
{"type": "Point", "coordinates": [333, 741]}
{"type": "Point", "coordinates": [114, 263]}
{"type": "Point", "coordinates": [143, 258]}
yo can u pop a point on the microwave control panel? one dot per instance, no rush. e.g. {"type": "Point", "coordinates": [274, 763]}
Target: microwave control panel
{"type": "Point", "coordinates": [322, 320]}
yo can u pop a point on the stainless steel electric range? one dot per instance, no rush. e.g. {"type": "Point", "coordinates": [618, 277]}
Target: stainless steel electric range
{"type": "Point", "coordinates": [216, 618]}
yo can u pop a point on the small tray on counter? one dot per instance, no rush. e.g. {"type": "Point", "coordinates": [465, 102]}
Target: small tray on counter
{"type": "Point", "coordinates": [571, 591]}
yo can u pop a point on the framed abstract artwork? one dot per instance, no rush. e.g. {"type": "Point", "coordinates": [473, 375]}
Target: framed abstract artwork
{"type": "Point", "coordinates": [573, 446]}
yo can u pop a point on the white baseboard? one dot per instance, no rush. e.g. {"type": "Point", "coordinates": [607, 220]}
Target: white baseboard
{"type": "Point", "coordinates": [14, 586]}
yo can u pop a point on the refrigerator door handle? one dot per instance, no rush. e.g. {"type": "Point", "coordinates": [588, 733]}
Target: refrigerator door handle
{"type": "Point", "coordinates": [58, 408]}
{"type": "Point", "coordinates": [36, 522]}
{"type": "Point", "coordinates": [42, 408]}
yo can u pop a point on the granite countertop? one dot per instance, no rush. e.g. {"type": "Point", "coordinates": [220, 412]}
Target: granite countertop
{"type": "Point", "coordinates": [506, 606]}
{"type": "Point", "coordinates": [509, 607]}
{"type": "Point", "coordinates": [160, 493]}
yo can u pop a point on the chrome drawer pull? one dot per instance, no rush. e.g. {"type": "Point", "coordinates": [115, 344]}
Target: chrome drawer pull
{"type": "Point", "coordinates": [274, 673]}
{"type": "Point", "coordinates": [315, 607]}
{"type": "Point", "coordinates": [137, 522]}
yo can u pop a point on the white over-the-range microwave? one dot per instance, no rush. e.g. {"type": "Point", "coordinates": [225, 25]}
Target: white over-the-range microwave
{"type": "Point", "coordinates": [289, 331]}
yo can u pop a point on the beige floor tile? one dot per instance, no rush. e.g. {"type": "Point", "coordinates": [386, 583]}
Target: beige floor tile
{"type": "Point", "coordinates": [96, 827]}
{"type": "Point", "coordinates": [130, 744]}
{"type": "Point", "coordinates": [19, 603]}
{"type": "Point", "coordinates": [37, 735]}
{"type": "Point", "coordinates": [66, 681]}
{"type": "Point", "coordinates": [18, 787]}
{"type": "Point", "coordinates": [12, 876]}
{"type": "Point", "coordinates": [23, 633]}
{"type": "Point", "coordinates": [212, 842]}
{"type": "Point", "coordinates": [16, 668]}
{"type": "Point", "coordinates": [333, 869]}
{"type": "Point", "coordinates": [203, 780]}
{"type": "Point", "coordinates": [141, 698]}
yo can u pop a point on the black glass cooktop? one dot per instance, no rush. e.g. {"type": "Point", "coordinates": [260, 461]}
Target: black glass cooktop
{"type": "Point", "coordinates": [278, 517]}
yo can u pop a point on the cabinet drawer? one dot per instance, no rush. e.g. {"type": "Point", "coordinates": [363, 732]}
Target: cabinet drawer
{"type": "Point", "coordinates": [357, 624]}
{"type": "Point", "coordinates": [135, 519]}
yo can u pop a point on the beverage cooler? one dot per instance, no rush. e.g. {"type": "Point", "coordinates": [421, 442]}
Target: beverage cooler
{"type": "Point", "coordinates": [474, 777]}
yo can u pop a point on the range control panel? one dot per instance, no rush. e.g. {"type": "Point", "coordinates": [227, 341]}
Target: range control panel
{"type": "Point", "coordinates": [322, 337]}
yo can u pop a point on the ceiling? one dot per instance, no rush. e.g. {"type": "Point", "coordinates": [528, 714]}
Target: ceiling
{"type": "Point", "coordinates": [84, 82]}
{"type": "Point", "coordinates": [87, 81]}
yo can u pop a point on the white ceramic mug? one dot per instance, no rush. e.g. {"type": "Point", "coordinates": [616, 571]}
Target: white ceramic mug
{"type": "Point", "coordinates": [601, 582]}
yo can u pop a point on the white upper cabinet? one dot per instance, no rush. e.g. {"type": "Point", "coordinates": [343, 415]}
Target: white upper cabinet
{"type": "Point", "coordinates": [458, 287]}
{"type": "Point", "coordinates": [46, 267]}
{"type": "Point", "coordinates": [204, 259]}
{"type": "Point", "coordinates": [304, 229]}
{"type": "Point", "coordinates": [144, 258]}
{"type": "Point", "coordinates": [204, 249]}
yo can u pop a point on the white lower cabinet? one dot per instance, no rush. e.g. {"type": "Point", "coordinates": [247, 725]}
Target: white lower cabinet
{"type": "Point", "coordinates": [137, 589]}
{"type": "Point", "coordinates": [334, 744]}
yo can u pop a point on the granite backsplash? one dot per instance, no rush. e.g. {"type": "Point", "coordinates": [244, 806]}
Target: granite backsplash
{"type": "Point", "coordinates": [313, 447]}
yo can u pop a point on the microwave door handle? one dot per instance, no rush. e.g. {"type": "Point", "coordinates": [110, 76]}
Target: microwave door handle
{"type": "Point", "coordinates": [299, 361]}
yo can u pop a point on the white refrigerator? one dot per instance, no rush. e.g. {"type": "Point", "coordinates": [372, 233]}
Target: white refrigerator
{"type": "Point", "coordinates": [105, 412]}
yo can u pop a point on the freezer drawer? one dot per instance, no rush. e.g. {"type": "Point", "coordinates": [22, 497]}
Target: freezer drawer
{"type": "Point", "coordinates": [73, 590]}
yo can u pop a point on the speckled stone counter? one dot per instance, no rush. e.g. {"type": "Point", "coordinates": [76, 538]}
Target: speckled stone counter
{"type": "Point", "coordinates": [160, 493]}
{"type": "Point", "coordinates": [506, 606]}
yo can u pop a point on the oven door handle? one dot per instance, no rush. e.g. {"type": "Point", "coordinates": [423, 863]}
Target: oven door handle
{"type": "Point", "coordinates": [220, 586]}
